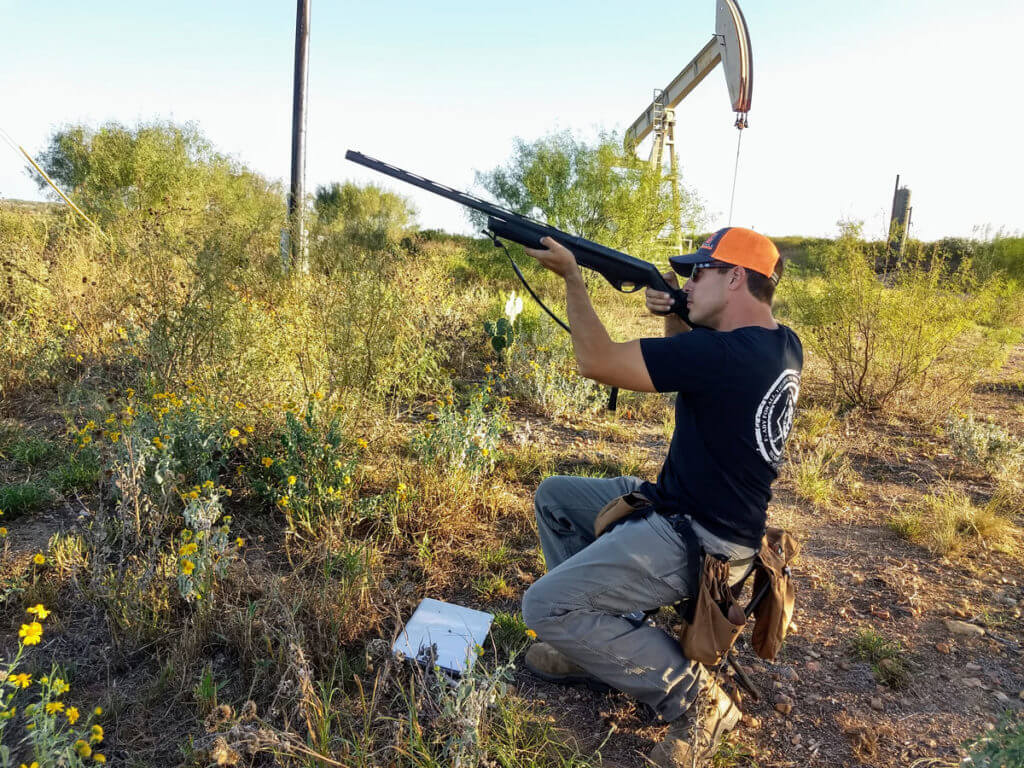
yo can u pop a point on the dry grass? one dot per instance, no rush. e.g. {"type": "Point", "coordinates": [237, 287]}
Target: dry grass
{"type": "Point", "coordinates": [949, 524]}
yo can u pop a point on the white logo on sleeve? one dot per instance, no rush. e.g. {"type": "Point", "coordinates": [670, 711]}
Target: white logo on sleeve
{"type": "Point", "coordinates": [774, 416]}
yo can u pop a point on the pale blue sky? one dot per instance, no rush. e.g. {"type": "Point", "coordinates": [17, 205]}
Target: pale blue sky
{"type": "Point", "coordinates": [845, 95]}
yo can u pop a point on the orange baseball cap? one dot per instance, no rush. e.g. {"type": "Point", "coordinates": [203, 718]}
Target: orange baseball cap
{"type": "Point", "coordinates": [736, 247]}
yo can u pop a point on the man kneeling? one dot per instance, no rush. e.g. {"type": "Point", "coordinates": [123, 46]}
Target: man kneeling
{"type": "Point", "coordinates": [737, 375]}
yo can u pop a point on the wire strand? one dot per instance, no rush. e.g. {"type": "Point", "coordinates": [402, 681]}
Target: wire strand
{"type": "Point", "coordinates": [735, 172]}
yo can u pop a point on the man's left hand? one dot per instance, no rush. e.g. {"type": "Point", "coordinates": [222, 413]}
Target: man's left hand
{"type": "Point", "coordinates": [556, 257]}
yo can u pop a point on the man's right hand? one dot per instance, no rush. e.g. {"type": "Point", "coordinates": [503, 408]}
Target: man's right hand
{"type": "Point", "coordinates": [659, 302]}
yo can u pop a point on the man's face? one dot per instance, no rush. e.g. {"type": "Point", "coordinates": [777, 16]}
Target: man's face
{"type": "Point", "coordinates": [707, 293]}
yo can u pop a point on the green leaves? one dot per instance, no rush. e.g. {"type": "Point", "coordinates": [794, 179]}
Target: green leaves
{"type": "Point", "coordinates": [596, 191]}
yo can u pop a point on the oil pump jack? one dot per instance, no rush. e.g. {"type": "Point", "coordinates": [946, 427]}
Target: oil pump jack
{"type": "Point", "coordinates": [730, 45]}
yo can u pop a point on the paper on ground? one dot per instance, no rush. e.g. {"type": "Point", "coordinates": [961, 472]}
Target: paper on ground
{"type": "Point", "coordinates": [448, 632]}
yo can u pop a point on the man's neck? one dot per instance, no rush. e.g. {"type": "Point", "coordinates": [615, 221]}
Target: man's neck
{"type": "Point", "coordinates": [746, 316]}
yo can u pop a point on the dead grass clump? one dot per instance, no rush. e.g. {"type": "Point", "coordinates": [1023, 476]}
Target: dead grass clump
{"type": "Point", "coordinates": [1008, 499]}
{"type": "Point", "coordinates": [865, 735]}
{"type": "Point", "coordinates": [949, 524]}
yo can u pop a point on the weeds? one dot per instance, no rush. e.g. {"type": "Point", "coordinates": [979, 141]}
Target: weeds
{"type": "Point", "coordinates": [18, 499]}
{"type": "Point", "coordinates": [984, 444]}
{"type": "Point", "coordinates": [948, 524]}
{"type": "Point", "coordinates": [465, 439]}
{"type": "Point", "coordinates": [887, 657]}
{"type": "Point", "coordinates": [1003, 746]}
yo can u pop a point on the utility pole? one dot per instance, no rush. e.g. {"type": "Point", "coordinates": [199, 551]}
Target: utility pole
{"type": "Point", "coordinates": [296, 196]}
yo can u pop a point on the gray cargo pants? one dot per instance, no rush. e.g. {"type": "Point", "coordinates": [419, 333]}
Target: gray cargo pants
{"type": "Point", "coordinates": [578, 606]}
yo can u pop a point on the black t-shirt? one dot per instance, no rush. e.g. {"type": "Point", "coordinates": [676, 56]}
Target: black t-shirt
{"type": "Point", "coordinates": [737, 395]}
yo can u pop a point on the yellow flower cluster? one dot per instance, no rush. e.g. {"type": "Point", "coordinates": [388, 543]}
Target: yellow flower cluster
{"type": "Point", "coordinates": [31, 633]}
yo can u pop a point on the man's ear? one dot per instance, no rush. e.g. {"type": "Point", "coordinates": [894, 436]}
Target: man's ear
{"type": "Point", "coordinates": [737, 278]}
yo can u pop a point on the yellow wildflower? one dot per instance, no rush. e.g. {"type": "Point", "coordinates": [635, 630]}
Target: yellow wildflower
{"type": "Point", "coordinates": [485, 451]}
{"type": "Point", "coordinates": [38, 610]}
{"type": "Point", "coordinates": [240, 405]}
{"type": "Point", "coordinates": [72, 715]}
{"type": "Point", "coordinates": [59, 687]}
{"type": "Point", "coordinates": [3, 531]}
{"type": "Point", "coordinates": [318, 395]}
{"type": "Point", "coordinates": [233, 432]}
{"type": "Point", "coordinates": [98, 711]}
{"type": "Point", "coordinates": [188, 549]}
{"type": "Point", "coordinates": [250, 428]}
{"type": "Point", "coordinates": [361, 443]}
{"type": "Point", "coordinates": [208, 485]}
{"type": "Point", "coordinates": [193, 494]}
{"type": "Point", "coordinates": [22, 680]}
{"type": "Point", "coordinates": [401, 487]}
{"type": "Point", "coordinates": [187, 566]}
{"type": "Point", "coordinates": [99, 758]}
{"type": "Point", "coordinates": [33, 764]}
{"type": "Point", "coordinates": [347, 480]}
{"type": "Point", "coordinates": [487, 368]}
{"type": "Point", "coordinates": [267, 461]}
{"type": "Point", "coordinates": [431, 416]}
{"type": "Point", "coordinates": [292, 479]}
{"type": "Point", "coordinates": [54, 707]}
{"type": "Point", "coordinates": [30, 633]}
{"type": "Point", "coordinates": [83, 749]}
{"type": "Point", "coordinates": [531, 634]}
{"type": "Point", "coordinates": [240, 541]}
{"type": "Point", "coordinates": [96, 733]}
{"type": "Point", "coordinates": [39, 558]}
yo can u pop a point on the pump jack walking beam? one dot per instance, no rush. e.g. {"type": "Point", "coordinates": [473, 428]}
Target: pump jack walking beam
{"type": "Point", "coordinates": [730, 45]}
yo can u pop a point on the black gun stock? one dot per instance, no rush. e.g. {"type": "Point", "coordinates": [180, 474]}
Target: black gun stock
{"type": "Point", "coordinates": [624, 272]}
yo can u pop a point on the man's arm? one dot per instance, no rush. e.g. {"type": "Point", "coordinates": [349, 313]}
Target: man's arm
{"type": "Point", "coordinates": [597, 356]}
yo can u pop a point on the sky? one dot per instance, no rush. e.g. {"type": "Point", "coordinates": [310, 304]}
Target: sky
{"type": "Point", "coordinates": [846, 95]}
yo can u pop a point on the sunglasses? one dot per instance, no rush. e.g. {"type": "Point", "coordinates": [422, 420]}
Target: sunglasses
{"type": "Point", "coordinates": [697, 268]}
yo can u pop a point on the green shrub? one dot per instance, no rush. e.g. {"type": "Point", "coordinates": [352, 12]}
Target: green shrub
{"type": "Point", "coordinates": [885, 656]}
{"type": "Point", "coordinates": [79, 472]}
{"type": "Point", "coordinates": [1003, 254]}
{"type": "Point", "coordinates": [916, 339]}
{"type": "Point", "coordinates": [984, 444]}
{"type": "Point", "coordinates": [465, 439]}
{"type": "Point", "coordinates": [541, 372]}
{"type": "Point", "coordinates": [510, 634]}
{"type": "Point", "coordinates": [22, 498]}
{"type": "Point", "coordinates": [31, 451]}
{"type": "Point", "coordinates": [306, 468]}
{"type": "Point", "coordinates": [1002, 747]}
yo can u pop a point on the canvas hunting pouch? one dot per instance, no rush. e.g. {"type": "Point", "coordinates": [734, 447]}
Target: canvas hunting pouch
{"type": "Point", "coordinates": [617, 510]}
{"type": "Point", "coordinates": [714, 620]}
{"type": "Point", "coordinates": [773, 577]}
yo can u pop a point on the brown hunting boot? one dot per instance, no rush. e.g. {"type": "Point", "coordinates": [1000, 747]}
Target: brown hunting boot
{"type": "Point", "coordinates": [554, 666]}
{"type": "Point", "coordinates": [687, 744]}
